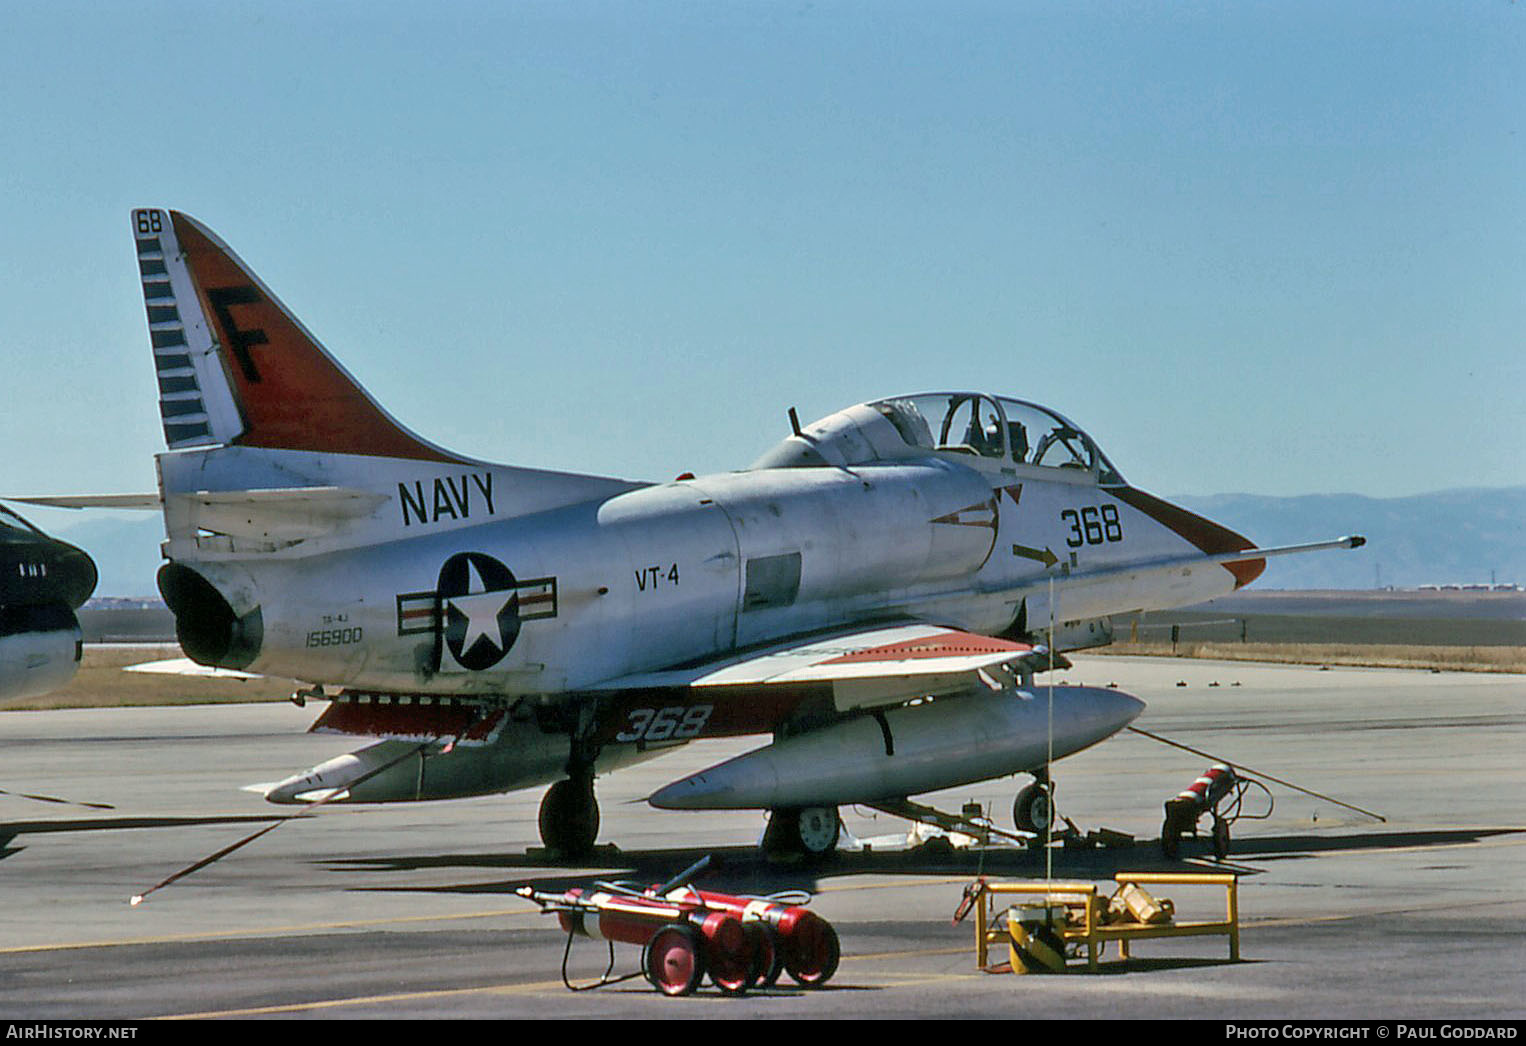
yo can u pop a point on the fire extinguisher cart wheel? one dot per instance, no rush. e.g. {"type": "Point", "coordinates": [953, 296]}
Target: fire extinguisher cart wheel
{"type": "Point", "coordinates": [812, 952]}
{"type": "Point", "coordinates": [728, 953]}
{"type": "Point", "coordinates": [674, 959]}
{"type": "Point", "coordinates": [767, 953]}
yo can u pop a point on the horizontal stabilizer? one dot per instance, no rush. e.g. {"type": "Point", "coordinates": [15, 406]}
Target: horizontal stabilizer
{"type": "Point", "coordinates": [184, 666]}
{"type": "Point", "coordinates": [119, 501]}
{"type": "Point", "coordinates": [287, 514]}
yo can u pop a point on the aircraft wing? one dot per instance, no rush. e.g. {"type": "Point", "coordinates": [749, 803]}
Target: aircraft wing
{"type": "Point", "coordinates": [746, 693]}
{"type": "Point", "coordinates": [884, 665]}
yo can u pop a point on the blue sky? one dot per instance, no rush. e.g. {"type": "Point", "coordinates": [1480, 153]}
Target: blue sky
{"type": "Point", "coordinates": [1266, 247]}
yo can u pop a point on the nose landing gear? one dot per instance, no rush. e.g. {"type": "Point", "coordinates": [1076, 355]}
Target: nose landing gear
{"type": "Point", "coordinates": [1033, 809]}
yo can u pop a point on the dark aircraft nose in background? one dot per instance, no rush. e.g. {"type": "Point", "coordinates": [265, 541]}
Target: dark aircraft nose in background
{"type": "Point", "coordinates": [43, 581]}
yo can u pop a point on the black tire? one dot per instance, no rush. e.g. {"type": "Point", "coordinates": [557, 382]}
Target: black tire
{"type": "Point", "coordinates": [674, 960]}
{"type": "Point", "coordinates": [1220, 838]}
{"type": "Point", "coordinates": [569, 818]}
{"type": "Point", "coordinates": [1033, 809]}
{"type": "Point", "coordinates": [1170, 840]}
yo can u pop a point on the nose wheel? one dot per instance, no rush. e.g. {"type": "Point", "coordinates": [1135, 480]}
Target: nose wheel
{"type": "Point", "coordinates": [1033, 809]}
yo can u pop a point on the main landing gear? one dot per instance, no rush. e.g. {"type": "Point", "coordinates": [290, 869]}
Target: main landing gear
{"type": "Point", "coordinates": [811, 833]}
{"type": "Point", "coordinates": [569, 817]}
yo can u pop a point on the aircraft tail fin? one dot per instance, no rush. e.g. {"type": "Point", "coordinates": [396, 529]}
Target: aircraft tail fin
{"type": "Point", "coordinates": [235, 367]}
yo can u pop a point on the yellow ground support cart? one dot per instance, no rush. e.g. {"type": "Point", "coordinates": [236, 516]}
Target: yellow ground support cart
{"type": "Point", "coordinates": [1090, 919]}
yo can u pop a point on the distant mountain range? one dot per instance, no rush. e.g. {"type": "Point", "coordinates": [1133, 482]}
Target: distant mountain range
{"type": "Point", "coordinates": [126, 552]}
{"type": "Point", "coordinates": [1471, 536]}
{"type": "Point", "coordinates": [1450, 537]}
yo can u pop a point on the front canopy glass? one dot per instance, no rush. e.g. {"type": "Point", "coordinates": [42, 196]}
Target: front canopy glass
{"type": "Point", "coordinates": [995, 428]}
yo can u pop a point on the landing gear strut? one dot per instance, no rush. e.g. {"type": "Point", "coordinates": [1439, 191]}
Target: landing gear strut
{"type": "Point", "coordinates": [811, 833]}
{"type": "Point", "coordinates": [569, 817]}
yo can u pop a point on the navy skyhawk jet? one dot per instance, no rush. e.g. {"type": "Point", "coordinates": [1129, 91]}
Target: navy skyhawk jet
{"type": "Point", "coordinates": [875, 591]}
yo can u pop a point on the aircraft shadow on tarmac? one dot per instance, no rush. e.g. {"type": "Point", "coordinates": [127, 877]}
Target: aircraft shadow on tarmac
{"type": "Point", "coordinates": [744, 869]}
{"type": "Point", "coordinates": [10, 830]}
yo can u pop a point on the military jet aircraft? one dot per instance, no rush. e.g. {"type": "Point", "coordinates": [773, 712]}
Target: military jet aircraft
{"type": "Point", "coordinates": [43, 581]}
{"type": "Point", "coordinates": [875, 591]}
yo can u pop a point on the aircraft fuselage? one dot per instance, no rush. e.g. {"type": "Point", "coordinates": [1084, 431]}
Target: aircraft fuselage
{"type": "Point", "coordinates": [564, 598]}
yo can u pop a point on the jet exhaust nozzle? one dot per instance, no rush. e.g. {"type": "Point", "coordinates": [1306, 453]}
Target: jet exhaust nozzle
{"type": "Point", "coordinates": [209, 630]}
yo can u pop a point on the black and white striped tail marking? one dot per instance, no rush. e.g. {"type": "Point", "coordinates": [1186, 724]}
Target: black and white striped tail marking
{"type": "Point", "coordinates": [181, 405]}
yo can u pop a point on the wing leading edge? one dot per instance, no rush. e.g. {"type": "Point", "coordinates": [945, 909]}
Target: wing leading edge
{"type": "Point", "coordinates": [863, 668]}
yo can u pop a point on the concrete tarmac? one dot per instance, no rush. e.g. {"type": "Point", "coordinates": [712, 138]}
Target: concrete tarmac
{"type": "Point", "coordinates": [409, 911]}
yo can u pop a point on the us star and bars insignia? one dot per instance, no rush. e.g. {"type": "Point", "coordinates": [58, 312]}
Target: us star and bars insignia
{"type": "Point", "coordinates": [476, 609]}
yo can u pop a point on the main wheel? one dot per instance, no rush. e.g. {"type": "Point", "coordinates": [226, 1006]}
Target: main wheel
{"type": "Point", "coordinates": [673, 960]}
{"type": "Point", "coordinates": [569, 818]}
{"type": "Point", "coordinates": [1033, 809]}
{"type": "Point", "coordinates": [819, 830]}
{"type": "Point", "coordinates": [811, 833]}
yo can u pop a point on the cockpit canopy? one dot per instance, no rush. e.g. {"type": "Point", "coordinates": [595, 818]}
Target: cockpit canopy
{"type": "Point", "coordinates": [985, 432]}
{"type": "Point", "coordinates": [12, 521]}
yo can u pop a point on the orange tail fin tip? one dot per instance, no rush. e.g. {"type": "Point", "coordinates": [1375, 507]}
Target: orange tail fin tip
{"type": "Point", "coordinates": [222, 338]}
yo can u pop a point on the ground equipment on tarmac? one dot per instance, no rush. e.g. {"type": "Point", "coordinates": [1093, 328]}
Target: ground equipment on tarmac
{"type": "Point", "coordinates": [740, 942]}
{"type": "Point", "coordinates": [1216, 785]}
{"type": "Point", "coordinates": [1068, 918]}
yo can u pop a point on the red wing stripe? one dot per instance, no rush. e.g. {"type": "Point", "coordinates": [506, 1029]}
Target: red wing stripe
{"type": "Point", "coordinates": [949, 644]}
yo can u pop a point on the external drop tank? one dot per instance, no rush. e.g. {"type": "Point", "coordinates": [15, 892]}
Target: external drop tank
{"type": "Point", "coordinates": [916, 748]}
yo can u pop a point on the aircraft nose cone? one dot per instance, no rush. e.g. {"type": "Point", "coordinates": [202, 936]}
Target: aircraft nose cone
{"type": "Point", "coordinates": [77, 575]}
